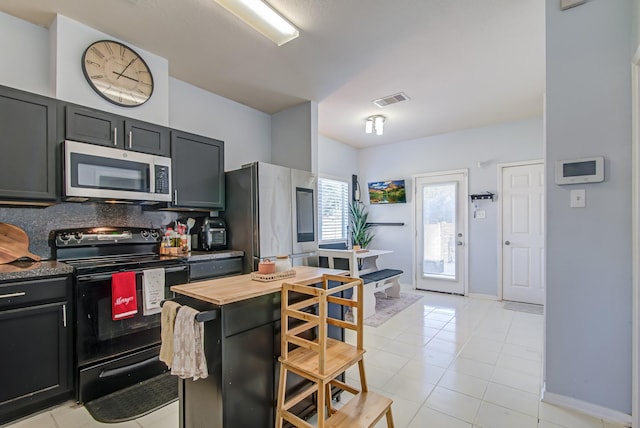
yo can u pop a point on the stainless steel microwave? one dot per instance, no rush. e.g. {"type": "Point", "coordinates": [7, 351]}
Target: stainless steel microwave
{"type": "Point", "coordinates": [94, 172]}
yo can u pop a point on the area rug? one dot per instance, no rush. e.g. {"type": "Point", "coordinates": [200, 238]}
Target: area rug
{"type": "Point", "coordinates": [387, 307]}
{"type": "Point", "coordinates": [135, 401]}
{"type": "Point", "coordinates": [524, 307]}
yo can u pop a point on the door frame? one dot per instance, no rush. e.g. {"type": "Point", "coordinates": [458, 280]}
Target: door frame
{"type": "Point", "coordinates": [465, 225]}
{"type": "Point", "coordinates": [635, 237]}
{"type": "Point", "coordinates": [501, 168]}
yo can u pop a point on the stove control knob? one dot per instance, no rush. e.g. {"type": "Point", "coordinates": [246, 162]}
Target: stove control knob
{"type": "Point", "coordinates": [78, 236]}
{"type": "Point", "coordinates": [64, 237]}
{"type": "Point", "coordinates": [155, 234]}
{"type": "Point", "coordinates": [145, 234]}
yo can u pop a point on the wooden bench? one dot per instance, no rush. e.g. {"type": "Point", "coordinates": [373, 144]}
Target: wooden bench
{"type": "Point", "coordinates": [383, 280]}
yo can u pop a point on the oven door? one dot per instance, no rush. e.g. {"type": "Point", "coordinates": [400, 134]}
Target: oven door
{"type": "Point", "coordinates": [99, 337]}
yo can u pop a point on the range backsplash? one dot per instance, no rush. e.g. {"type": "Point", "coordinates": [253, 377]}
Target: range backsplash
{"type": "Point", "coordinates": [39, 222]}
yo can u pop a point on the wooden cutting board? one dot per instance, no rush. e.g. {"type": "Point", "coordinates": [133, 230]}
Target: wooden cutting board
{"type": "Point", "coordinates": [14, 244]}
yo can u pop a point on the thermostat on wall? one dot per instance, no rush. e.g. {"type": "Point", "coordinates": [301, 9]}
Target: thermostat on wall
{"type": "Point", "coordinates": [584, 170]}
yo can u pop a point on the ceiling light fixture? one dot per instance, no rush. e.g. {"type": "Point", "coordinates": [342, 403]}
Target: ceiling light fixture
{"type": "Point", "coordinates": [262, 18]}
{"type": "Point", "coordinates": [375, 123]}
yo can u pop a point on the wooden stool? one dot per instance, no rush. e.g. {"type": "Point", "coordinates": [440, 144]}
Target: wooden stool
{"type": "Point", "coordinates": [323, 359]}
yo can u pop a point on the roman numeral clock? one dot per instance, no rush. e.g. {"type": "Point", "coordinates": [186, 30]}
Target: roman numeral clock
{"type": "Point", "coordinates": [117, 73]}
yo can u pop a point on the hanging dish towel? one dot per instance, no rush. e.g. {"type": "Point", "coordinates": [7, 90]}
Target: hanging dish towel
{"type": "Point", "coordinates": [167, 321]}
{"type": "Point", "coordinates": [123, 295]}
{"type": "Point", "coordinates": [152, 290]}
{"type": "Point", "coordinates": [188, 346]}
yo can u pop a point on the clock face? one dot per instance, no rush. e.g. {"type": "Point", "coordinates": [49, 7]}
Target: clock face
{"type": "Point", "coordinates": [117, 73]}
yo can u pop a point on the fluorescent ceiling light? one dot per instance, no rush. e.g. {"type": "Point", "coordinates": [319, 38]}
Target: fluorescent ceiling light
{"type": "Point", "coordinates": [262, 18]}
{"type": "Point", "coordinates": [368, 126]}
{"type": "Point", "coordinates": [374, 123]}
{"type": "Point", "coordinates": [378, 123]}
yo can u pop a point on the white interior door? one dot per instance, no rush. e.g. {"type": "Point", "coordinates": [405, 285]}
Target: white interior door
{"type": "Point", "coordinates": [523, 233]}
{"type": "Point", "coordinates": [441, 230]}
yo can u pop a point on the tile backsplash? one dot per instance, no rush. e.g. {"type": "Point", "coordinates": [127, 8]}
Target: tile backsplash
{"type": "Point", "coordinates": [40, 222]}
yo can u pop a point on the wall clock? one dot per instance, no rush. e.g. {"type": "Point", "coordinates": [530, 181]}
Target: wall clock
{"type": "Point", "coordinates": [117, 73]}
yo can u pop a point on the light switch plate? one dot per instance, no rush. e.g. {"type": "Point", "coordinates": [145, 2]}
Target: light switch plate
{"type": "Point", "coordinates": [567, 4]}
{"type": "Point", "coordinates": [578, 198]}
{"type": "Point", "coordinates": [481, 214]}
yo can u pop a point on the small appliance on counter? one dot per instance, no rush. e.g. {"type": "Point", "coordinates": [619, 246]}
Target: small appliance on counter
{"type": "Point", "coordinates": [209, 234]}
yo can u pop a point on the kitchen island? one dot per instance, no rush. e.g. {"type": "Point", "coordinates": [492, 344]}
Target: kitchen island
{"type": "Point", "coordinates": [242, 346]}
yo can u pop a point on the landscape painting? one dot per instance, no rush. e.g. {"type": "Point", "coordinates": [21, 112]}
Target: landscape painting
{"type": "Point", "coordinates": [387, 192]}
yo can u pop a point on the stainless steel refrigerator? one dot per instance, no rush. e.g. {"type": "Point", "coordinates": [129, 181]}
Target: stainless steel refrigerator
{"type": "Point", "coordinates": [271, 211]}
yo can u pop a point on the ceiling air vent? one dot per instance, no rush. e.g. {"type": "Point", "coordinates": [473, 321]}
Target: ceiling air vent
{"type": "Point", "coordinates": [391, 99]}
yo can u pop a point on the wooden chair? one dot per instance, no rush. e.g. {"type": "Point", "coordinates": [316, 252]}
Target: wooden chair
{"type": "Point", "coordinates": [324, 359]}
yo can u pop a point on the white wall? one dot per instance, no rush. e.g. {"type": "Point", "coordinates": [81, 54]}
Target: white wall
{"type": "Point", "coordinates": [25, 56]}
{"type": "Point", "coordinates": [294, 137]}
{"type": "Point", "coordinates": [69, 39]}
{"type": "Point", "coordinates": [336, 160]}
{"type": "Point", "coordinates": [588, 112]}
{"type": "Point", "coordinates": [246, 132]}
{"type": "Point", "coordinates": [506, 142]}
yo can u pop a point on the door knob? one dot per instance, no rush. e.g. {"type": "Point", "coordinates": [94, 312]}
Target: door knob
{"type": "Point", "coordinates": [507, 243]}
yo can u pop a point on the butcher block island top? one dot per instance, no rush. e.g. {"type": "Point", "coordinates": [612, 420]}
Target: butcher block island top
{"type": "Point", "coordinates": [223, 291]}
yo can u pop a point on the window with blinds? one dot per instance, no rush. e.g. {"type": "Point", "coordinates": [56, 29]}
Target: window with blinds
{"type": "Point", "coordinates": [333, 210]}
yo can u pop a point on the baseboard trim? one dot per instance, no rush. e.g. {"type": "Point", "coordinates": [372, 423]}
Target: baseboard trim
{"type": "Point", "coordinates": [590, 409]}
{"type": "Point", "coordinates": [483, 296]}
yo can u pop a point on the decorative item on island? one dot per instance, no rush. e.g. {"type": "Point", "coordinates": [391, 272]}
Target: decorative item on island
{"type": "Point", "coordinates": [275, 276]}
{"type": "Point", "coordinates": [266, 266]}
{"type": "Point", "coordinates": [283, 263]}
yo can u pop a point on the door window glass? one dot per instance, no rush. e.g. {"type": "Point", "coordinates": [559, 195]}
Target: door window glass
{"type": "Point", "coordinates": [439, 229]}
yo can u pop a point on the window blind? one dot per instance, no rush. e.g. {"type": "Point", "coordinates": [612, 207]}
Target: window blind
{"type": "Point", "coordinates": [333, 204]}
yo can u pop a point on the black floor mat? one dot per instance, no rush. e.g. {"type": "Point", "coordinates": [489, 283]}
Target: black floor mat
{"type": "Point", "coordinates": [135, 401]}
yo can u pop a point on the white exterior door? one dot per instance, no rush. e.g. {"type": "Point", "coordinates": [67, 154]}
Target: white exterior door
{"type": "Point", "coordinates": [441, 230]}
{"type": "Point", "coordinates": [523, 233]}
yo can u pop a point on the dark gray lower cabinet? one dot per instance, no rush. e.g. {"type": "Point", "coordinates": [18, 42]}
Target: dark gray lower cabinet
{"type": "Point", "coordinates": [28, 137]}
{"type": "Point", "coordinates": [35, 333]}
{"type": "Point", "coordinates": [242, 346]}
{"type": "Point", "coordinates": [239, 347]}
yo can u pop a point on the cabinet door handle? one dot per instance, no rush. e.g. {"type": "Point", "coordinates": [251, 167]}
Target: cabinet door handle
{"type": "Point", "coordinates": [64, 316]}
{"type": "Point", "coordinates": [175, 196]}
{"type": "Point", "coordinates": [115, 136]}
{"type": "Point", "coordinates": [130, 139]}
{"type": "Point", "coordinates": [7, 296]}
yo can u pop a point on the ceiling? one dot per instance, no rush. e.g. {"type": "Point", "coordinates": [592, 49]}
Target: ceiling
{"type": "Point", "coordinates": [463, 63]}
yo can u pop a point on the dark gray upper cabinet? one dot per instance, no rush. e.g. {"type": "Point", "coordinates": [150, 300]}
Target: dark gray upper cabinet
{"type": "Point", "coordinates": [90, 126]}
{"type": "Point", "coordinates": [146, 137]}
{"type": "Point", "coordinates": [106, 129]}
{"type": "Point", "coordinates": [28, 135]}
{"type": "Point", "coordinates": [198, 171]}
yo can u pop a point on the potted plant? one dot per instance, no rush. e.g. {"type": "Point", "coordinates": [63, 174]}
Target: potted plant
{"type": "Point", "coordinates": [361, 231]}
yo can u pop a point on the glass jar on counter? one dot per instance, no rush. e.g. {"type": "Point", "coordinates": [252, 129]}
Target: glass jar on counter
{"type": "Point", "coordinates": [283, 264]}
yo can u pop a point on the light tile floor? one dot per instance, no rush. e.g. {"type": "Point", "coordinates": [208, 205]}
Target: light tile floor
{"type": "Point", "coordinates": [446, 361]}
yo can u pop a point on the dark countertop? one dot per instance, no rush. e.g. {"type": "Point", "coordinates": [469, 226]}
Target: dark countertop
{"type": "Point", "coordinates": [27, 269]}
{"type": "Point", "coordinates": [199, 256]}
